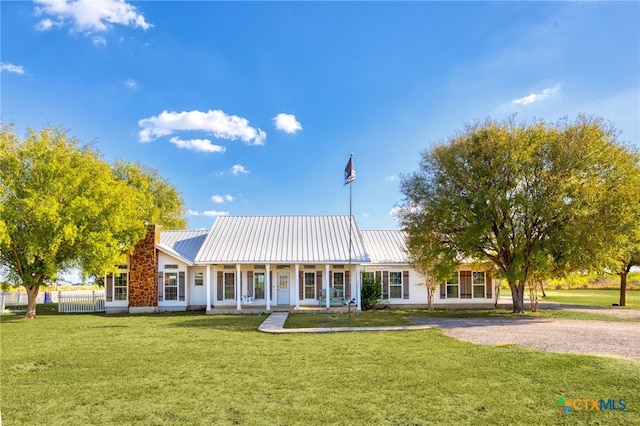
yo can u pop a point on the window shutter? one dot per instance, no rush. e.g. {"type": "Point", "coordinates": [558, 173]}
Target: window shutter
{"type": "Point", "coordinates": [301, 285]}
{"type": "Point", "coordinates": [318, 284]}
{"type": "Point", "coordinates": [347, 285]}
{"type": "Point", "coordinates": [220, 285]}
{"type": "Point", "coordinates": [109, 288]}
{"type": "Point", "coordinates": [443, 291]}
{"type": "Point", "coordinates": [250, 283]}
{"type": "Point", "coordinates": [465, 284]}
{"type": "Point", "coordinates": [160, 286]}
{"type": "Point", "coordinates": [405, 284]}
{"type": "Point", "coordinates": [489, 284]}
{"type": "Point", "coordinates": [181, 286]}
{"type": "Point", "coordinates": [385, 284]}
{"type": "Point", "coordinates": [378, 278]}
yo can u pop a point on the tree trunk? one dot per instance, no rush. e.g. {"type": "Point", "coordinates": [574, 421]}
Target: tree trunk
{"type": "Point", "coordinates": [542, 288]}
{"type": "Point", "coordinates": [32, 296]}
{"type": "Point", "coordinates": [431, 292]}
{"type": "Point", "coordinates": [517, 295]}
{"type": "Point", "coordinates": [623, 288]}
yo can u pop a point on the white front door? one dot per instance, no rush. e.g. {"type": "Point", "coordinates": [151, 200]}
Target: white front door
{"type": "Point", "coordinates": [283, 288]}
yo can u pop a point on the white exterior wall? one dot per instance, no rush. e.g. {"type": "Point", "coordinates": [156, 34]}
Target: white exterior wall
{"type": "Point", "coordinates": [453, 302]}
{"type": "Point", "coordinates": [197, 294]}
{"type": "Point", "coordinates": [417, 289]}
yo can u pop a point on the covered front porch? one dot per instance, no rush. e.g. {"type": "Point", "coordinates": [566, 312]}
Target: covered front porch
{"type": "Point", "coordinates": [287, 287]}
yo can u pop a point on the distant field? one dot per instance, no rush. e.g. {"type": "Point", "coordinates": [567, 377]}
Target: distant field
{"type": "Point", "coordinates": [192, 369]}
{"type": "Point", "coordinates": [592, 297]}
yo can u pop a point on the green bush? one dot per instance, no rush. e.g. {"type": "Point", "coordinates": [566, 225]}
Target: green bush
{"type": "Point", "coordinates": [371, 292]}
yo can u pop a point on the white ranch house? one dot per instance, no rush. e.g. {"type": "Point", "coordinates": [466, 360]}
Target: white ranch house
{"type": "Point", "coordinates": [279, 262]}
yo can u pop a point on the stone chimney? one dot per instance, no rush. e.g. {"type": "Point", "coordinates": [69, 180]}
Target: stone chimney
{"type": "Point", "coordinates": [143, 273]}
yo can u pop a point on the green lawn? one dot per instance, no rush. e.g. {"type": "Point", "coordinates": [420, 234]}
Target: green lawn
{"type": "Point", "coordinates": [603, 298]}
{"type": "Point", "coordinates": [192, 369]}
{"type": "Point", "coordinates": [593, 297]}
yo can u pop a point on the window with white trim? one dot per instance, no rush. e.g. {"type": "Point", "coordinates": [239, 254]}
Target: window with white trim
{"type": "Point", "coordinates": [453, 287]}
{"type": "Point", "coordinates": [338, 281]}
{"type": "Point", "coordinates": [309, 285]}
{"type": "Point", "coordinates": [395, 285]}
{"type": "Point", "coordinates": [198, 278]}
{"type": "Point", "coordinates": [171, 286]}
{"type": "Point", "coordinates": [258, 283]}
{"type": "Point", "coordinates": [229, 285]}
{"type": "Point", "coordinates": [120, 286]}
{"type": "Point", "coordinates": [478, 284]}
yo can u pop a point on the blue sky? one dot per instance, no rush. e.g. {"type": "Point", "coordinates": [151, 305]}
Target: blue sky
{"type": "Point", "coordinates": [252, 108]}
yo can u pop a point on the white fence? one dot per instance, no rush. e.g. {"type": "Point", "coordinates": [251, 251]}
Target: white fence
{"type": "Point", "coordinates": [81, 301]}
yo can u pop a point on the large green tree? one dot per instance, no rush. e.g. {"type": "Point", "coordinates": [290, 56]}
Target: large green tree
{"type": "Point", "coordinates": [62, 206]}
{"type": "Point", "coordinates": [159, 201]}
{"type": "Point", "coordinates": [525, 196]}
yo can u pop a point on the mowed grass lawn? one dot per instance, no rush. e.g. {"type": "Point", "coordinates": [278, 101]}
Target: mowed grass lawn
{"type": "Point", "coordinates": [192, 369]}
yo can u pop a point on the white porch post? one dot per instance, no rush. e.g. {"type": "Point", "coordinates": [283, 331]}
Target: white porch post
{"type": "Point", "coordinates": [267, 284]}
{"type": "Point", "coordinates": [358, 288]}
{"type": "Point", "coordinates": [215, 285]}
{"type": "Point", "coordinates": [327, 280]}
{"type": "Point", "coordinates": [207, 278]}
{"type": "Point", "coordinates": [238, 288]}
{"type": "Point", "coordinates": [296, 279]}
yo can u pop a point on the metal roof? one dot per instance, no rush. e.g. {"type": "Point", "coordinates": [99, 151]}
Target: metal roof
{"type": "Point", "coordinates": [184, 243]}
{"type": "Point", "coordinates": [386, 246]}
{"type": "Point", "coordinates": [282, 239]}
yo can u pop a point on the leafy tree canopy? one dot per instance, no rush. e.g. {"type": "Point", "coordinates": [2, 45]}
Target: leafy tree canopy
{"type": "Point", "coordinates": [525, 196]}
{"type": "Point", "coordinates": [62, 206]}
{"type": "Point", "coordinates": [160, 202]}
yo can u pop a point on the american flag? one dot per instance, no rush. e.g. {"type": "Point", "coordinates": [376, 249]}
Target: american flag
{"type": "Point", "coordinates": [349, 172]}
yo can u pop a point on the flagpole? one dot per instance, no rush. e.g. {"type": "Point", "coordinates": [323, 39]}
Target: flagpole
{"type": "Point", "coordinates": [350, 241]}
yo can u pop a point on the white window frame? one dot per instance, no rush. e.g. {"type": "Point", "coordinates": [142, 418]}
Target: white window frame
{"type": "Point", "coordinates": [307, 286]}
{"type": "Point", "coordinates": [256, 282]}
{"type": "Point", "coordinates": [451, 284]}
{"type": "Point", "coordinates": [198, 278]}
{"type": "Point", "coordinates": [229, 282]}
{"type": "Point", "coordinates": [478, 285]}
{"type": "Point", "coordinates": [333, 282]}
{"type": "Point", "coordinates": [169, 285]}
{"type": "Point", "coordinates": [395, 286]}
{"type": "Point", "coordinates": [120, 292]}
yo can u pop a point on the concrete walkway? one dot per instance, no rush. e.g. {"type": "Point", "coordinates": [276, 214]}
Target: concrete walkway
{"type": "Point", "coordinates": [275, 323]}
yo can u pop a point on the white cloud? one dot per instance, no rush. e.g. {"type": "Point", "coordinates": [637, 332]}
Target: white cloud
{"type": "Point", "coordinates": [131, 84]}
{"type": "Point", "coordinates": [17, 69]}
{"type": "Point", "coordinates": [199, 145]}
{"type": "Point", "coordinates": [287, 123]}
{"type": "Point", "coordinates": [222, 198]}
{"type": "Point", "coordinates": [99, 41]}
{"type": "Point", "coordinates": [215, 122]}
{"type": "Point", "coordinates": [88, 16]}
{"type": "Point", "coordinates": [238, 168]}
{"type": "Point", "coordinates": [391, 178]}
{"type": "Point", "coordinates": [537, 97]}
{"type": "Point", "coordinates": [394, 211]}
{"type": "Point", "coordinates": [207, 213]}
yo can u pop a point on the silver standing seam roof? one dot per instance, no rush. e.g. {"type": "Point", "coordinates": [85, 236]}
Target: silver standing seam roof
{"type": "Point", "coordinates": [185, 244]}
{"type": "Point", "coordinates": [282, 239]}
{"type": "Point", "coordinates": [386, 246]}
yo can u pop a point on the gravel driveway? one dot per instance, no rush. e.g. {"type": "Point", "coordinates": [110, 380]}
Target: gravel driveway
{"type": "Point", "coordinates": [605, 338]}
